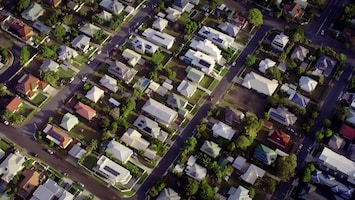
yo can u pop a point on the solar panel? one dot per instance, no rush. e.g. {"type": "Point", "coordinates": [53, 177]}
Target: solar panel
{"type": "Point", "coordinates": [147, 129]}
{"type": "Point", "coordinates": [148, 46]}
{"type": "Point", "coordinates": [56, 136]}
{"type": "Point", "coordinates": [219, 40]}
{"type": "Point", "coordinates": [112, 171]}
{"type": "Point", "coordinates": [206, 32]}
{"type": "Point", "coordinates": [204, 63]}
{"type": "Point", "coordinates": [277, 116]}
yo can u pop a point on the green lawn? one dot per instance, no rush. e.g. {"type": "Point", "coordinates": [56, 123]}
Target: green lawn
{"type": "Point", "coordinates": [65, 73]}
{"type": "Point", "coordinates": [85, 133]}
{"type": "Point", "coordinates": [90, 161]}
{"type": "Point", "coordinates": [4, 145]}
{"type": "Point", "coordinates": [206, 81]}
{"type": "Point", "coordinates": [198, 96]}
{"type": "Point", "coordinates": [223, 71]}
{"type": "Point", "coordinates": [39, 99]}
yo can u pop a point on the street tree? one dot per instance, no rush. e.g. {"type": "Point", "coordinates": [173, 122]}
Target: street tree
{"type": "Point", "coordinates": [215, 3]}
{"type": "Point", "coordinates": [255, 17]}
{"type": "Point", "coordinates": [342, 57]}
{"type": "Point", "coordinates": [24, 55]}
{"type": "Point", "coordinates": [306, 175]}
{"type": "Point", "coordinates": [327, 123]}
{"type": "Point", "coordinates": [328, 133]}
{"type": "Point", "coordinates": [286, 166]}
{"type": "Point", "coordinates": [319, 136]}
{"type": "Point", "coordinates": [298, 35]}
{"type": "Point", "coordinates": [251, 59]}
{"type": "Point", "coordinates": [3, 91]}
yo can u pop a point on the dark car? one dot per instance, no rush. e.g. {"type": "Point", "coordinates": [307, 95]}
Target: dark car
{"type": "Point", "coordinates": [79, 183]}
{"type": "Point", "coordinates": [34, 154]}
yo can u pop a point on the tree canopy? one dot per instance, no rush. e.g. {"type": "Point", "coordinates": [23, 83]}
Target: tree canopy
{"type": "Point", "coordinates": [252, 125]}
{"type": "Point", "coordinates": [286, 166]}
{"type": "Point", "coordinates": [24, 55]}
{"type": "Point", "coordinates": [242, 142]}
{"type": "Point", "coordinates": [59, 32]}
{"type": "Point", "coordinates": [22, 5]}
{"type": "Point", "coordinates": [251, 59]}
{"type": "Point", "coordinates": [255, 17]}
{"type": "Point", "coordinates": [191, 187]}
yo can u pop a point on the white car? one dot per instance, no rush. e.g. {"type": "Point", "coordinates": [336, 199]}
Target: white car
{"type": "Point", "coordinates": [6, 123]}
{"type": "Point", "coordinates": [50, 151]}
{"type": "Point", "coordinates": [84, 79]}
{"type": "Point", "coordinates": [322, 32]}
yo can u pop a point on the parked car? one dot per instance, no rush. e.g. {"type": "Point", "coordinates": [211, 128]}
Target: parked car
{"type": "Point", "coordinates": [84, 79]}
{"type": "Point", "coordinates": [79, 183]}
{"type": "Point", "coordinates": [6, 123]}
{"type": "Point", "coordinates": [50, 151]}
{"type": "Point", "coordinates": [34, 154]}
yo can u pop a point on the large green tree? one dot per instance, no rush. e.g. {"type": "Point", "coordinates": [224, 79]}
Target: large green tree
{"type": "Point", "coordinates": [242, 142]}
{"type": "Point", "coordinates": [206, 192]}
{"type": "Point", "coordinates": [3, 91]}
{"type": "Point", "coordinates": [22, 5]}
{"type": "Point", "coordinates": [59, 32]}
{"type": "Point", "coordinates": [251, 59]}
{"type": "Point", "coordinates": [286, 166]}
{"type": "Point", "coordinates": [191, 187]}
{"type": "Point", "coordinates": [251, 125]}
{"type": "Point", "coordinates": [255, 17]}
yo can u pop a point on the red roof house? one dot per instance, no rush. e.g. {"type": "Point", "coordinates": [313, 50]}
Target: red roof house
{"type": "Point", "coordinates": [85, 111]}
{"type": "Point", "coordinates": [279, 137]}
{"type": "Point", "coordinates": [14, 104]}
{"type": "Point", "coordinates": [21, 29]}
{"type": "Point", "coordinates": [348, 132]}
{"type": "Point", "coordinates": [57, 135]}
{"type": "Point", "coordinates": [28, 85]}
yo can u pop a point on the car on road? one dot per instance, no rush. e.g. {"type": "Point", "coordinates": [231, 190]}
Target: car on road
{"type": "Point", "coordinates": [50, 151]}
{"type": "Point", "coordinates": [300, 146]}
{"type": "Point", "coordinates": [322, 32]}
{"type": "Point", "coordinates": [34, 154]}
{"type": "Point", "coordinates": [6, 122]}
{"type": "Point", "coordinates": [84, 79]}
{"type": "Point", "coordinates": [79, 183]}
{"type": "Point", "coordinates": [211, 98]}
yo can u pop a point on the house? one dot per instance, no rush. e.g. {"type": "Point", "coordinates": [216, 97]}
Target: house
{"type": "Point", "coordinates": [259, 83]}
{"type": "Point", "coordinates": [220, 39]}
{"type": "Point", "coordinates": [347, 132]}
{"type": "Point", "coordinates": [336, 142]}
{"type": "Point", "coordinates": [54, 3]}
{"type": "Point", "coordinates": [85, 111]}
{"type": "Point", "coordinates": [279, 137]}
{"type": "Point", "coordinates": [73, 6]}
{"type": "Point", "coordinates": [183, 5]}
{"type": "Point", "coordinates": [179, 102]}
{"type": "Point", "coordinates": [196, 172]}
{"type": "Point", "coordinates": [29, 183]}
{"type": "Point", "coordinates": [134, 139]}
{"type": "Point", "coordinates": [159, 112]}
{"type": "Point", "coordinates": [232, 115]}
{"type": "Point", "coordinates": [131, 57]}
{"type": "Point", "coordinates": [113, 6]}
{"type": "Point", "coordinates": [69, 121]}
{"type": "Point", "coordinates": [150, 127]}
{"type": "Point", "coordinates": [29, 85]}
{"type": "Point", "coordinates": [351, 152]}
{"type": "Point", "coordinates": [200, 60]}
{"type": "Point", "coordinates": [114, 172]}
{"type": "Point", "coordinates": [66, 53]}
{"type": "Point", "coordinates": [106, 16]}
{"type": "Point", "coordinates": [81, 42]}
{"type": "Point", "coordinates": [160, 24]}
{"type": "Point", "coordinates": [299, 53]}
{"type": "Point", "coordinates": [282, 115]}
{"type": "Point", "coordinates": [240, 193]}
{"type": "Point", "coordinates": [230, 29]}
{"type": "Point", "coordinates": [351, 117]}
{"type": "Point", "coordinates": [49, 65]}
{"type": "Point", "coordinates": [264, 154]}
{"type": "Point", "coordinates": [89, 29]}
{"type": "Point", "coordinates": [57, 135]}
{"type": "Point", "coordinates": [143, 46]}
{"type": "Point", "coordinates": [41, 27]}
{"type": "Point", "coordinates": [12, 164]}
{"type": "Point", "coordinates": [51, 190]}
{"type": "Point", "coordinates": [168, 194]}
{"type": "Point", "coordinates": [299, 99]}
{"type": "Point", "coordinates": [267, 124]}
{"type": "Point", "coordinates": [307, 84]}
{"type": "Point", "coordinates": [162, 39]}
{"type": "Point", "coordinates": [14, 104]}
{"type": "Point", "coordinates": [280, 41]}
{"type": "Point", "coordinates": [238, 19]}
{"type": "Point", "coordinates": [207, 47]}
{"type": "Point", "coordinates": [239, 163]}
{"type": "Point", "coordinates": [326, 65]}
{"type": "Point", "coordinates": [186, 88]}
{"type": "Point", "coordinates": [295, 10]}
{"type": "Point", "coordinates": [33, 12]}
{"type": "Point", "coordinates": [21, 29]}
{"type": "Point", "coordinates": [109, 83]}
{"type": "Point", "coordinates": [252, 174]}
{"type": "Point", "coordinates": [77, 151]}
{"type": "Point", "coordinates": [119, 151]}
{"type": "Point", "coordinates": [210, 148]}
{"type": "Point", "coordinates": [172, 14]}
{"type": "Point", "coordinates": [94, 94]}
{"type": "Point", "coordinates": [266, 64]}
{"type": "Point", "coordinates": [223, 130]}
{"type": "Point", "coordinates": [121, 71]}
{"type": "Point", "coordinates": [194, 74]}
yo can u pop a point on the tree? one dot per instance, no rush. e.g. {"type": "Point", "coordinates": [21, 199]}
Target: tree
{"type": "Point", "coordinates": [286, 166]}
{"type": "Point", "coordinates": [24, 55]}
{"type": "Point", "coordinates": [349, 11]}
{"type": "Point", "coordinates": [105, 135]}
{"type": "Point", "coordinates": [327, 123]}
{"type": "Point", "coordinates": [340, 112]}
{"type": "Point", "coordinates": [251, 192]}
{"type": "Point", "coordinates": [115, 113]}
{"type": "Point", "coordinates": [298, 35]}
{"type": "Point", "coordinates": [128, 107]}
{"type": "Point", "coordinates": [319, 2]}
{"type": "Point", "coordinates": [157, 58]}
{"type": "Point", "coordinates": [104, 123]}
{"type": "Point", "coordinates": [138, 93]}
{"type": "Point", "coordinates": [255, 17]}
{"type": "Point", "coordinates": [190, 144]}
{"type": "Point", "coordinates": [268, 184]}
{"type": "Point", "coordinates": [251, 59]}
{"type": "Point", "coordinates": [276, 74]}
{"type": "Point", "coordinates": [153, 75]}
{"type": "Point", "coordinates": [50, 77]}
{"type": "Point", "coordinates": [59, 32]}
{"type": "Point", "coordinates": [190, 27]}
{"type": "Point", "coordinates": [342, 57]}
{"type": "Point", "coordinates": [206, 192]}
{"type": "Point", "coordinates": [242, 142]}
{"type": "Point", "coordinates": [3, 91]}
{"type": "Point", "coordinates": [47, 52]}
{"type": "Point", "coordinates": [231, 147]}
{"type": "Point", "coordinates": [328, 133]}
{"type": "Point", "coordinates": [319, 136]}
{"type": "Point", "coordinates": [191, 187]}
{"type": "Point", "coordinates": [252, 125]}
{"type": "Point", "coordinates": [306, 176]}
{"type": "Point", "coordinates": [22, 5]}
{"type": "Point", "coordinates": [215, 3]}
{"type": "Point", "coordinates": [171, 73]}
{"type": "Point", "coordinates": [67, 19]}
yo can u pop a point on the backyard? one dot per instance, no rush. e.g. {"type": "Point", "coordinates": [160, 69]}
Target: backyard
{"type": "Point", "coordinates": [84, 133]}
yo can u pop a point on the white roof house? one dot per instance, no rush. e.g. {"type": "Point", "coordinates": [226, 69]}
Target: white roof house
{"type": "Point", "coordinates": [114, 172]}
{"type": "Point", "coordinates": [196, 171]}
{"type": "Point", "coordinates": [94, 94]}
{"type": "Point", "coordinates": [69, 121]}
{"type": "Point", "coordinates": [282, 115]}
{"type": "Point", "coordinates": [134, 139]}
{"type": "Point", "coordinates": [144, 46]}
{"type": "Point", "coordinates": [339, 163]}
{"type": "Point", "coordinates": [49, 65]}
{"type": "Point", "coordinates": [229, 28]}
{"type": "Point", "coordinates": [280, 41]}
{"type": "Point", "coordinates": [200, 60]}
{"type": "Point", "coordinates": [220, 39]}
{"type": "Point", "coordinates": [131, 57]}
{"type": "Point", "coordinates": [351, 117]}
{"type": "Point", "coordinates": [260, 83]}
{"type": "Point", "coordinates": [186, 88]}
{"type": "Point", "coordinates": [113, 6]}
{"type": "Point", "coordinates": [172, 14]}
{"type": "Point", "coordinates": [89, 29]}
{"type": "Point", "coordinates": [223, 130]}
{"type": "Point", "coordinates": [65, 53]}
{"type": "Point", "coordinates": [168, 194]}
{"type": "Point", "coordinates": [307, 84]}
{"type": "Point", "coordinates": [207, 47]}
{"type": "Point", "coordinates": [210, 148]}
{"type": "Point", "coordinates": [81, 42]}
{"type": "Point", "coordinates": [162, 39]}
{"type": "Point", "coordinates": [12, 164]}
{"type": "Point", "coordinates": [240, 193]}
{"type": "Point", "coordinates": [150, 127]}
{"type": "Point", "coordinates": [51, 190]}
{"type": "Point", "coordinates": [252, 174]}
{"type": "Point", "coordinates": [160, 24]}
{"type": "Point", "coordinates": [160, 112]}
{"type": "Point", "coordinates": [122, 71]}
{"type": "Point", "coordinates": [109, 83]}
{"type": "Point", "coordinates": [33, 12]}
{"type": "Point", "coordinates": [106, 16]}
{"type": "Point", "coordinates": [77, 151]}
{"type": "Point", "coordinates": [265, 64]}
{"type": "Point", "coordinates": [119, 151]}
{"type": "Point", "coordinates": [239, 163]}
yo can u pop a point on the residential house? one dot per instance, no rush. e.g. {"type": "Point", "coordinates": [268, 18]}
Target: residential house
{"type": "Point", "coordinates": [266, 64]}
{"type": "Point", "coordinates": [150, 127]}
{"type": "Point", "coordinates": [186, 88]}
{"type": "Point", "coordinates": [299, 99]}
{"type": "Point", "coordinates": [159, 112]}
{"type": "Point", "coordinates": [89, 29]}
{"type": "Point", "coordinates": [33, 12]}
{"type": "Point", "coordinates": [307, 84]}
{"type": "Point", "coordinates": [106, 16]}
{"type": "Point", "coordinates": [267, 124]}
{"type": "Point", "coordinates": [69, 121]}
{"type": "Point", "coordinates": [230, 29]}
{"type": "Point", "coordinates": [196, 171]}
{"type": "Point", "coordinates": [252, 174]}
{"type": "Point", "coordinates": [299, 53]}
{"type": "Point", "coordinates": [238, 19]}
{"type": "Point", "coordinates": [134, 139]}
{"type": "Point", "coordinates": [77, 151]}
{"type": "Point", "coordinates": [143, 46]}
{"type": "Point", "coordinates": [303, 3]}
{"type": "Point", "coordinates": [200, 60]}
{"type": "Point", "coordinates": [264, 154]}
{"type": "Point", "coordinates": [85, 111]}
{"type": "Point", "coordinates": [282, 115]}
{"type": "Point", "coordinates": [81, 42]}
{"type": "Point", "coordinates": [57, 135]}
{"type": "Point", "coordinates": [336, 142]}
{"type": "Point", "coordinates": [121, 71]}
{"type": "Point", "coordinates": [210, 148]}
{"type": "Point", "coordinates": [223, 130]}
{"type": "Point", "coordinates": [131, 57]}
{"type": "Point", "coordinates": [207, 47]}
{"type": "Point", "coordinates": [49, 65]}
{"type": "Point", "coordinates": [295, 10]}
{"type": "Point", "coordinates": [239, 163]}
{"type": "Point", "coordinates": [168, 194]}
{"type": "Point", "coordinates": [66, 53]}
{"type": "Point", "coordinates": [351, 116]}
{"type": "Point", "coordinates": [51, 190]}
{"type": "Point", "coordinates": [119, 151]}
{"type": "Point", "coordinates": [280, 41]}
{"type": "Point", "coordinates": [347, 132]}
{"type": "Point", "coordinates": [232, 115]}
{"type": "Point", "coordinates": [220, 39]}
{"type": "Point", "coordinates": [54, 3]}
{"type": "Point", "coordinates": [183, 5]}
{"type": "Point", "coordinates": [109, 83]}
{"type": "Point", "coordinates": [240, 193]}
{"type": "Point", "coordinates": [12, 164]}
{"type": "Point", "coordinates": [21, 29]}
{"type": "Point", "coordinates": [95, 94]}
{"type": "Point", "coordinates": [326, 65]}
{"type": "Point", "coordinates": [162, 39]}
{"type": "Point", "coordinates": [41, 27]}
{"type": "Point", "coordinates": [114, 172]}
{"type": "Point", "coordinates": [113, 6]}
{"type": "Point", "coordinates": [259, 83]}
{"type": "Point", "coordinates": [279, 137]}
{"type": "Point", "coordinates": [29, 85]}
{"type": "Point", "coordinates": [194, 74]}
{"type": "Point", "coordinates": [178, 102]}
{"type": "Point", "coordinates": [160, 24]}
{"type": "Point", "coordinates": [29, 183]}
{"type": "Point", "coordinates": [71, 5]}
{"type": "Point", "coordinates": [172, 14]}
{"type": "Point", "coordinates": [14, 104]}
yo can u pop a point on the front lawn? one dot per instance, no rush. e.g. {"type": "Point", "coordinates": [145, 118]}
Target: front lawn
{"type": "Point", "coordinates": [198, 96]}
{"type": "Point", "coordinates": [38, 99]}
{"type": "Point", "coordinates": [90, 161]}
{"type": "Point", "coordinates": [4, 145]}
{"type": "Point", "coordinates": [206, 81]}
